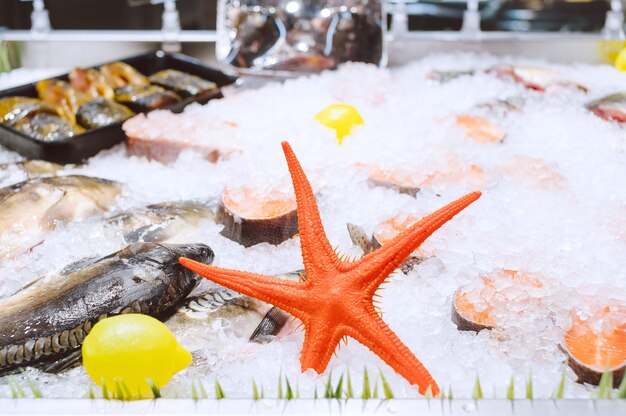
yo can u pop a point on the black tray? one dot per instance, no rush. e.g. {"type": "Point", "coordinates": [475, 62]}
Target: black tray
{"type": "Point", "coordinates": [78, 148]}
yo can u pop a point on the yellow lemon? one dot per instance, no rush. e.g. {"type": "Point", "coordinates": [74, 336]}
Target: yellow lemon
{"type": "Point", "coordinates": [341, 118]}
{"type": "Point", "coordinates": [620, 62]}
{"type": "Point", "coordinates": [125, 351]}
{"type": "Point", "coordinates": [609, 49]}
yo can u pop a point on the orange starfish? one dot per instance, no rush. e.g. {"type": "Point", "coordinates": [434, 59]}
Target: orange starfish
{"type": "Point", "coordinates": [336, 299]}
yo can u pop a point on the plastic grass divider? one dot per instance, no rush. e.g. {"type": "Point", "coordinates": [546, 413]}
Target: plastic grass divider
{"type": "Point", "coordinates": [280, 386]}
{"type": "Point", "coordinates": [31, 384]}
{"type": "Point", "coordinates": [203, 393]}
{"type": "Point", "coordinates": [118, 394]}
{"type": "Point", "coordinates": [529, 386]}
{"type": "Point", "coordinates": [105, 391]}
{"type": "Point", "coordinates": [386, 388]}
{"type": "Point", "coordinates": [366, 386]}
{"type": "Point", "coordinates": [16, 391]}
{"type": "Point", "coordinates": [621, 391]}
{"type": "Point", "coordinates": [122, 392]}
{"type": "Point", "coordinates": [343, 389]}
{"type": "Point", "coordinates": [156, 392]}
{"type": "Point", "coordinates": [375, 392]}
{"type": "Point", "coordinates": [606, 385]}
{"type": "Point", "coordinates": [510, 391]}
{"type": "Point", "coordinates": [289, 392]}
{"type": "Point", "coordinates": [219, 392]}
{"type": "Point", "coordinates": [255, 391]}
{"type": "Point", "coordinates": [349, 393]}
{"type": "Point", "coordinates": [560, 390]}
{"type": "Point", "coordinates": [328, 390]}
{"type": "Point", "coordinates": [194, 391]}
{"type": "Point", "coordinates": [478, 390]}
{"type": "Point", "coordinates": [339, 388]}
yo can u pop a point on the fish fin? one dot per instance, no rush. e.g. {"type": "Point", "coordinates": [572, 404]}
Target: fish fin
{"type": "Point", "coordinates": [271, 324]}
{"type": "Point", "coordinates": [56, 213]}
{"type": "Point", "coordinates": [359, 238]}
{"type": "Point", "coordinates": [71, 360]}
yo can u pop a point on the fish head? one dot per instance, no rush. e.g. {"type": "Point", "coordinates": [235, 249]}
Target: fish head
{"type": "Point", "coordinates": [180, 279]}
{"type": "Point", "coordinates": [168, 254]}
{"type": "Point", "coordinates": [198, 252]}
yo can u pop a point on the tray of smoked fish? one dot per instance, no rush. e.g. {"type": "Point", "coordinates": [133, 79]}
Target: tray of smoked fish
{"type": "Point", "coordinates": [72, 117]}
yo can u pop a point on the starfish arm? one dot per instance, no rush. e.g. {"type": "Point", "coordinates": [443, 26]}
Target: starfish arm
{"type": "Point", "coordinates": [376, 266]}
{"type": "Point", "coordinates": [286, 295]}
{"type": "Point", "coordinates": [317, 253]}
{"type": "Point", "coordinates": [381, 340]}
{"type": "Point", "coordinates": [318, 347]}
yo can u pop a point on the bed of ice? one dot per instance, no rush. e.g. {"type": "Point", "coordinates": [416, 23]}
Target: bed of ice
{"type": "Point", "coordinates": [553, 204]}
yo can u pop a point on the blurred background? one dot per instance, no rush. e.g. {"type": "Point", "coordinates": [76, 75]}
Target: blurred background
{"type": "Point", "coordinates": [108, 14]}
{"type": "Point", "coordinates": [87, 32]}
{"type": "Point", "coordinates": [501, 15]}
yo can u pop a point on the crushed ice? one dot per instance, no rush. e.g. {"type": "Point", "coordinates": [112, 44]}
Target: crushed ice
{"type": "Point", "coordinates": [554, 204]}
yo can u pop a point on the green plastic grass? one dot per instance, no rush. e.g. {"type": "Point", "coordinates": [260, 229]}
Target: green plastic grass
{"type": "Point", "coordinates": [23, 386]}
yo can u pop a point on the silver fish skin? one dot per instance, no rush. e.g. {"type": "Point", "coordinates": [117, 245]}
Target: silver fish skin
{"type": "Point", "coordinates": [164, 222]}
{"type": "Point", "coordinates": [49, 320]}
{"type": "Point", "coordinates": [31, 209]}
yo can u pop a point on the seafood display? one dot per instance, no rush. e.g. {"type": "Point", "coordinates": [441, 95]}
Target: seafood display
{"type": "Point", "coordinates": [29, 169]}
{"type": "Point", "coordinates": [384, 233]}
{"type": "Point", "coordinates": [160, 135]}
{"type": "Point", "coordinates": [473, 305]}
{"type": "Point", "coordinates": [539, 79]}
{"type": "Point", "coordinates": [533, 78]}
{"type": "Point", "coordinates": [89, 84]}
{"type": "Point", "coordinates": [141, 98]}
{"type": "Point", "coordinates": [612, 107]}
{"type": "Point", "coordinates": [14, 109]}
{"type": "Point", "coordinates": [485, 218]}
{"type": "Point", "coordinates": [46, 127]}
{"type": "Point", "coordinates": [40, 325]}
{"type": "Point", "coordinates": [401, 182]}
{"type": "Point", "coordinates": [101, 112]}
{"type": "Point", "coordinates": [181, 83]}
{"type": "Point", "coordinates": [32, 209]}
{"type": "Point", "coordinates": [90, 99]}
{"type": "Point", "coordinates": [35, 118]}
{"type": "Point", "coordinates": [120, 74]}
{"type": "Point", "coordinates": [61, 96]}
{"type": "Point", "coordinates": [301, 36]}
{"type": "Point", "coordinates": [250, 218]}
{"type": "Point", "coordinates": [594, 347]}
{"type": "Point", "coordinates": [164, 222]}
{"type": "Point", "coordinates": [245, 317]}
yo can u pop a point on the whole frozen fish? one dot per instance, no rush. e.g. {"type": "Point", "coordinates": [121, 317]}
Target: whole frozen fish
{"type": "Point", "coordinates": [45, 323]}
{"type": "Point", "coordinates": [168, 221]}
{"type": "Point", "coordinates": [31, 209]}
{"type": "Point", "coordinates": [240, 315]}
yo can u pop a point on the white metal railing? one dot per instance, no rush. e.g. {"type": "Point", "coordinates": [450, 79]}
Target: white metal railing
{"type": "Point", "coordinates": [43, 48]}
